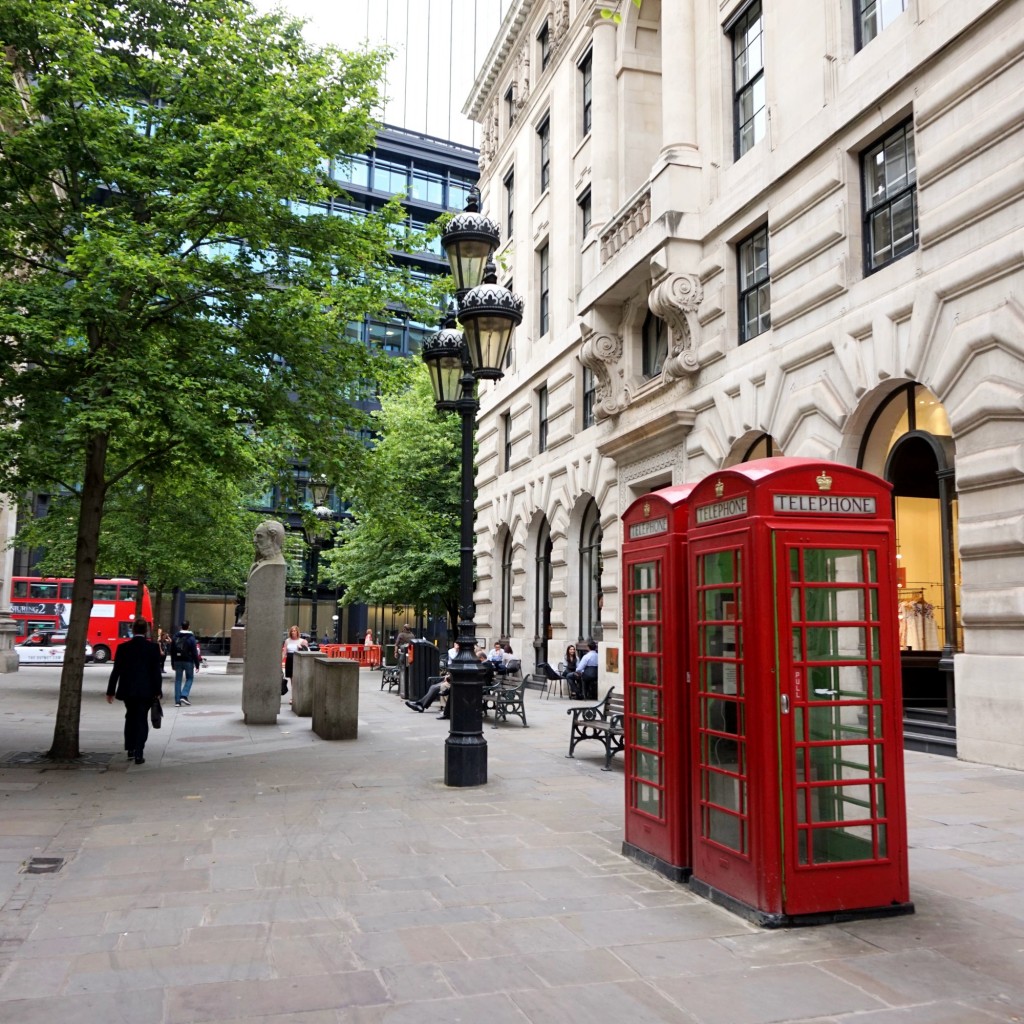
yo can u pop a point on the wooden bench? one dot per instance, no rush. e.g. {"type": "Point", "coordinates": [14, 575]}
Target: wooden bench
{"type": "Point", "coordinates": [504, 699]}
{"type": "Point", "coordinates": [604, 722]}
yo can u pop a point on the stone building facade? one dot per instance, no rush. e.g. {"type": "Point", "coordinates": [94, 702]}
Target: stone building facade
{"type": "Point", "coordinates": [746, 228]}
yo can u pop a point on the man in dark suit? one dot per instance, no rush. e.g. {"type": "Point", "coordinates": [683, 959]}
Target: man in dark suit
{"type": "Point", "coordinates": [135, 679]}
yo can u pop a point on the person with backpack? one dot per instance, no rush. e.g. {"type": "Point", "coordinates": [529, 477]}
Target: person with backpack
{"type": "Point", "coordinates": [185, 661]}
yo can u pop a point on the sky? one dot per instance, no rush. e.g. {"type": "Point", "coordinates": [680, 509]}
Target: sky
{"type": "Point", "coordinates": [426, 88]}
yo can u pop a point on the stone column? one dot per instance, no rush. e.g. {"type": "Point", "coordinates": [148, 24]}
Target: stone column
{"type": "Point", "coordinates": [604, 132]}
{"type": "Point", "coordinates": [678, 82]}
{"type": "Point", "coordinates": [236, 655]}
{"type": "Point", "coordinates": [8, 626]}
{"type": "Point", "coordinates": [264, 628]}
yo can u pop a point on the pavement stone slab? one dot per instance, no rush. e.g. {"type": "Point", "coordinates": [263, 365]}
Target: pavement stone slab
{"type": "Point", "coordinates": [262, 875]}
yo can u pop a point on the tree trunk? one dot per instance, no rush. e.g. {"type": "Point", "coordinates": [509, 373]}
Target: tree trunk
{"type": "Point", "coordinates": [69, 703]}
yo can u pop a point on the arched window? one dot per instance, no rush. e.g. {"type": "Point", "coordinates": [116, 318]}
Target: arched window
{"type": "Point", "coordinates": [542, 593]}
{"type": "Point", "coordinates": [506, 586]}
{"type": "Point", "coordinates": [590, 574]}
{"type": "Point", "coordinates": [763, 447]}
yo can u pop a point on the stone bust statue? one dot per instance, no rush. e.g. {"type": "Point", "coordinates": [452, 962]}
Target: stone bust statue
{"type": "Point", "coordinates": [268, 541]}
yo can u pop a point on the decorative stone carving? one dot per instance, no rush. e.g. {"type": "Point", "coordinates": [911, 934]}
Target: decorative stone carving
{"type": "Point", "coordinates": [488, 137]}
{"type": "Point", "coordinates": [600, 354]}
{"type": "Point", "coordinates": [522, 78]}
{"type": "Point", "coordinates": [676, 300]}
{"type": "Point", "coordinates": [560, 21]}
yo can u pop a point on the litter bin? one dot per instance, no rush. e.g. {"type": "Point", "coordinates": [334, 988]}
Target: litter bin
{"type": "Point", "coordinates": [424, 661]}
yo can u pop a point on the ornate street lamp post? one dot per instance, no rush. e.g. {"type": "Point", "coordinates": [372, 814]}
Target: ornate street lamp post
{"type": "Point", "coordinates": [456, 360]}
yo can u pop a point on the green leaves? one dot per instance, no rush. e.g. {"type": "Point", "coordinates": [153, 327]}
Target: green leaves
{"type": "Point", "coordinates": [402, 546]}
{"type": "Point", "coordinates": [161, 296]}
{"type": "Point", "coordinates": [616, 16]}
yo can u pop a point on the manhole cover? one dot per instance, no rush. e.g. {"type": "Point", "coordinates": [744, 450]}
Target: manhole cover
{"type": "Point", "coordinates": [38, 760]}
{"type": "Point", "coordinates": [43, 865]}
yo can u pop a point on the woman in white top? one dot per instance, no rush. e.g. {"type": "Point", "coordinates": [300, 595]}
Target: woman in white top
{"type": "Point", "coordinates": [291, 645]}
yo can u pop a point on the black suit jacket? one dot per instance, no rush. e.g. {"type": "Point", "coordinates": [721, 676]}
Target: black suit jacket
{"type": "Point", "coordinates": [136, 672]}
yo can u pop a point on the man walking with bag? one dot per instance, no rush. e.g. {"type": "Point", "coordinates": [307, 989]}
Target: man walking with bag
{"type": "Point", "coordinates": [184, 660]}
{"type": "Point", "coordinates": [135, 679]}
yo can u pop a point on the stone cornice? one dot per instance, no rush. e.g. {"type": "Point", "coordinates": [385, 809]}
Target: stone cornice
{"type": "Point", "coordinates": [504, 43]}
{"type": "Point", "coordinates": [650, 438]}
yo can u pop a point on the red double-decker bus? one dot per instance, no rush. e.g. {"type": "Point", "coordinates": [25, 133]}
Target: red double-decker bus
{"type": "Point", "coordinates": [46, 604]}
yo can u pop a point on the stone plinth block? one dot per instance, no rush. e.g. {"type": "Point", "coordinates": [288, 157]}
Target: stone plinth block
{"type": "Point", "coordinates": [264, 629]}
{"type": "Point", "coordinates": [302, 682]}
{"type": "Point", "coordinates": [236, 656]}
{"type": "Point", "coordinates": [335, 698]}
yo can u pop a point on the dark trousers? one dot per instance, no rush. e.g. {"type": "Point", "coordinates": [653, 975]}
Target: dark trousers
{"type": "Point", "coordinates": [431, 695]}
{"type": "Point", "coordinates": [136, 724]}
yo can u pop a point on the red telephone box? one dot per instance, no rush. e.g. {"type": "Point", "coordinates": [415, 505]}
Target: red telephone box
{"type": "Point", "coordinates": [655, 659]}
{"type": "Point", "coordinates": [798, 792]}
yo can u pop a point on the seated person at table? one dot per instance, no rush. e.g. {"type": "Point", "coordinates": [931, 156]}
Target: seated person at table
{"type": "Point", "coordinates": [501, 663]}
{"type": "Point", "coordinates": [586, 674]}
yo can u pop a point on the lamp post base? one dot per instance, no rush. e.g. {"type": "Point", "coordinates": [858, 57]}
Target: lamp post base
{"type": "Point", "coordinates": [465, 761]}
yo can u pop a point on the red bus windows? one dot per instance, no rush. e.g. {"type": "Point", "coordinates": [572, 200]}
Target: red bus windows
{"type": "Point", "coordinates": [31, 625]}
{"type": "Point", "coordinates": [104, 592]}
{"type": "Point", "coordinates": [43, 591]}
{"type": "Point", "coordinates": [65, 591]}
{"type": "Point", "coordinates": [19, 590]}
{"type": "Point", "coordinates": [128, 593]}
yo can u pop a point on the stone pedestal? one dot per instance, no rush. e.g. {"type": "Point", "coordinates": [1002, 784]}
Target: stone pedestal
{"type": "Point", "coordinates": [335, 698]}
{"type": "Point", "coordinates": [302, 682]}
{"type": "Point", "coordinates": [8, 631]}
{"type": "Point", "coordinates": [236, 656]}
{"type": "Point", "coordinates": [264, 630]}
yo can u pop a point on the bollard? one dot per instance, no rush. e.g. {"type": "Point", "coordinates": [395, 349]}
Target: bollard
{"type": "Point", "coordinates": [302, 683]}
{"type": "Point", "coordinates": [335, 698]}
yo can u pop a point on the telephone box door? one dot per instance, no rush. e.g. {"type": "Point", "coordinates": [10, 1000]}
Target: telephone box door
{"type": "Point", "coordinates": [840, 732]}
{"type": "Point", "coordinates": [657, 752]}
{"type": "Point", "coordinates": [727, 838]}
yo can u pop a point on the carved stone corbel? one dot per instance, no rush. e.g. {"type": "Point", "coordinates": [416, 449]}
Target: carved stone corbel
{"type": "Point", "coordinates": [601, 352]}
{"type": "Point", "coordinates": [676, 300]}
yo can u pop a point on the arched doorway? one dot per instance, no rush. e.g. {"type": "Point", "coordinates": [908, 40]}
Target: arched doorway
{"type": "Point", "coordinates": [590, 575]}
{"type": "Point", "coordinates": [909, 443]}
{"type": "Point", "coordinates": [542, 593]}
{"type": "Point", "coordinates": [506, 586]}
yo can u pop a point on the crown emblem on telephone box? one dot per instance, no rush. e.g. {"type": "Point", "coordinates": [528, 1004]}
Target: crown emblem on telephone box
{"type": "Point", "coordinates": [824, 482]}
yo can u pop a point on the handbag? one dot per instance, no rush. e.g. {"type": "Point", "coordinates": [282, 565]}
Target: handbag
{"type": "Point", "coordinates": [156, 713]}
{"type": "Point", "coordinates": [284, 685]}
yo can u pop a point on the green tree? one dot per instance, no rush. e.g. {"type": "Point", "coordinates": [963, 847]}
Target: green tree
{"type": "Point", "coordinates": [161, 292]}
{"type": "Point", "coordinates": [182, 527]}
{"type": "Point", "coordinates": [402, 544]}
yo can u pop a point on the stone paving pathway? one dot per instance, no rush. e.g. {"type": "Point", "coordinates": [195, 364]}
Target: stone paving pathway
{"type": "Point", "coordinates": [260, 874]}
